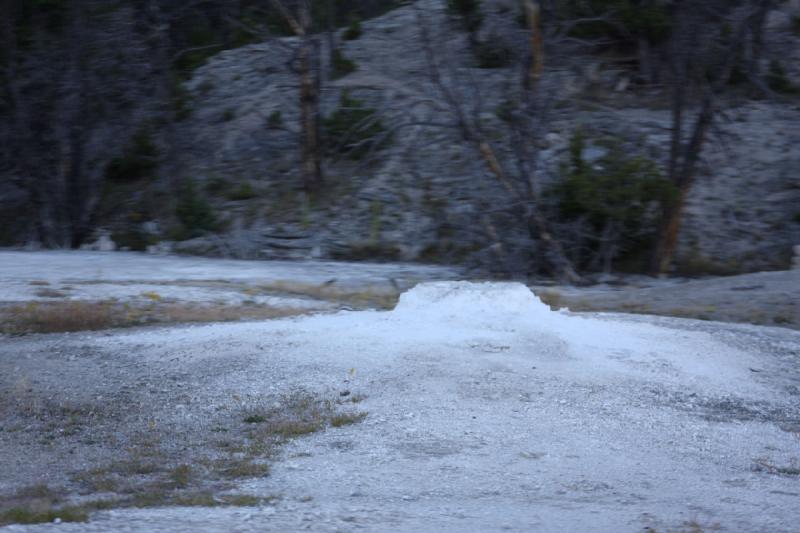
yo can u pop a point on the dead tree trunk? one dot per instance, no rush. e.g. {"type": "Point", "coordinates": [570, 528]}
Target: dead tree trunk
{"type": "Point", "coordinates": [309, 74]}
{"type": "Point", "coordinates": [683, 179]}
{"type": "Point", "coordinates": [685, 156]}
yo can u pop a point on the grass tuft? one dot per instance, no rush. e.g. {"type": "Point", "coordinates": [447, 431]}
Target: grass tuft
{"type": "Point", "coordinates": [28, 515]}
{"type": "Point", "coordinates": [346, 419]}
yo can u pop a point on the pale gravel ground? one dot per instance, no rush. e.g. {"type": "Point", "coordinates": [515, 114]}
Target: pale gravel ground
{"type": "Point", "coordinates": [487, 413]}
{"type": "Point", "coordinates": [18, 269]}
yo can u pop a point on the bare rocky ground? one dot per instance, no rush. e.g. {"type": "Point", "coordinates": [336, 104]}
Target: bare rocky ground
{"type": "Point", "coordinates": [467, 408]}
{"type": "Point", "coordinates": [763, 298]}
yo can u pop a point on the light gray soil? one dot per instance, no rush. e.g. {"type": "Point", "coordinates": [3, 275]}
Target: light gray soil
{"type": "Point", "coordinates": [486, 412]}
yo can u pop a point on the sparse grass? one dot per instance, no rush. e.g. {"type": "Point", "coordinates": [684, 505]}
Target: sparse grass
{"type": "Point", "coordinates": [360, 298]}
{"type": "Point", "coordinates": [346, 419]}
{"type": "Point", "coordinates": [181, 475]}
{"type": "Point", "coordinates": [241, 500]}
{"type": "Point", "coordinates": [152, 296]}
{"type": "Point", "coordinates": [56, 317]}
{"type": "Point", "coordinates": [33, 515]}
{"type": "Point", "coordinates": [135, 466]}
{"type": "Point", "coordinates": [61, 317]}
{"type": "Point", "coordinates": [662, 304]}
{"type": "Point", "coordinates": [196, 499]}
{"type": "Point", "coordinates": [40, 504]}
{"type": "Point", "coordinates": [353, 398]}
{"type": "Point", "coordinates": [98, 480]}
{"type": "Point", "coordinates": [50, 293]}
{"type": "Point", "coordinates": [764, 465]}
{"type": "Point", "coordinates": [150, 474]}
{"type": "Point", "coordinates": [296, 415]}
{"type": "Point", "coordinates": [690, 526]}
{"type": "Point", "coordinates": [551, 298]}
{"type": "Point", "coordinates": [152, 498]}
{"type": "Point", "coordinates": [239, 468]}
{"type": "Point", "coordinates": [208, 499]}
{"type": "Point", "coordinates": [49, 418]}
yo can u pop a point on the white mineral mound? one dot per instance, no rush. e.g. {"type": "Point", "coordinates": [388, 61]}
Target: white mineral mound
{"type": "Point", "coordinates": [491, 304]}
{"type": "Point", "coordinates": [508, 317]}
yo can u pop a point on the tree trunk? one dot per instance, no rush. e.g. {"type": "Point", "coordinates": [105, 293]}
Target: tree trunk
{"type": "Point", "coordinates": [311, 149]}
{"type": "Point", "coordinates": [684, 179]}
{"type": "Point", "coordinates": [308, 59]}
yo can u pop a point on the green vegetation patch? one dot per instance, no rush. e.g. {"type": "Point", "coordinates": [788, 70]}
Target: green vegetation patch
{"type": "Point", "coordinates": [354, 129]}
{"type": "Point", "coordinates": [138, 161]}
{"type": "Point", "coordinates": [617, 196]}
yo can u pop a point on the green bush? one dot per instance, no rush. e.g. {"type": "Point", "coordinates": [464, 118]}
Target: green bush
{"type": "Point", "coordinates": [194, 212]}
{"type": "Point", "coordinates": [133, 238]}
{"type": "Point", "coordinates": [228, 115]}
{"type": "Point", "coordinates": [353, 30]}
{"type": "Point", "coordinates": [244, 191]}
{"type": "Point", "coordinates": [139, 160]}
{"type": "Point", "coordinates": [342, 66]}
{"type": "Point", "coordinates": [217, 185]}
{"type": "Point", "coordinates": [778, 81]}
{"type": "Point", "coordinates": [181, 100]}
{"type": "Point", "coordinates": [469, 11]}
{"type": "Point", "coordinates": [493, 53]}
{"type": "Point", "coordinates": [620, 189]}
{"type": "Point", "coordinates": [353, 129]}
{"type": "Point", "coordinates": [275, 120]}
{"type": "Point", "coordinates": [619, 20]}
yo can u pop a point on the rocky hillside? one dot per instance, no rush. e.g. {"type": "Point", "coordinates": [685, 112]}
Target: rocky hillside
{"type": "Point", "coordinates": [425, 195]}
{"type": "Point", "coordinates": [449, 133]}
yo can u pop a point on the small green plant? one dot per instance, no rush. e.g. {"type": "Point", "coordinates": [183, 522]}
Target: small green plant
{"type": "Point", "coordinates": [275, 120]}
{"type": "Point", "coordinates": [618, 20]}
{"type": "Point", "coordinates": [205, 87]}
{"type": "Point", "coordinates": [778, 81]}
{"type": "Point", "coordinates": [492, 53]}
{"type": "Point", "coordinates": [353, 30]}
{"type": "Point", "coordinates": [139, 160]}
{"type": "Point", "coordinates": [354, 129]}
{"type": "Point", "coordinates": [244, 191]}
{"type": "Point", "coordinates": [342, 66]}
{"type": "Point", "coordinates": [194, 212]}
{"type": "Point", "coordinates": [181, 101]}
{"type": "Point", "coordinates": [505, 110]}
{"type": "Point", "coordinates": [217, 185]}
